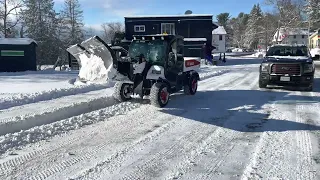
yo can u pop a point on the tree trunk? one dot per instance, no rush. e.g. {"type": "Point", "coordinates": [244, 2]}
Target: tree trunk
{"type": "Point", "coordinates": [5, 19]}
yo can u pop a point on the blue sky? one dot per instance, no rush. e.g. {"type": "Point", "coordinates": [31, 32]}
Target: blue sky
{"type": "Point", "coordinates": [97, 12]}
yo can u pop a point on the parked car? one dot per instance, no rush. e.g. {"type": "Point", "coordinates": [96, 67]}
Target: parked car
{"type": "Point", "coordinates": [287, 65]}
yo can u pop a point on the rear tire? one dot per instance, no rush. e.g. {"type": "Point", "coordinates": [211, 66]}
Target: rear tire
{"type": "Point", "coordinates": [192, 86]}
{"type": "Point", "coordinates": [122, 91]}
{"type": "Point", "coordinates": [159, 94]}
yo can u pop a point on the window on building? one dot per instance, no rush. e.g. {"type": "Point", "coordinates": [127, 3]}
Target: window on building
{"type": "Point", "coordinates": [167, 28]}
{"type": "Point", "coordinates": [139, 28]}
{"type": "Point", "coordinates": [302, 36]}
{"type": "Point", "coordinates": [294, 36]}
{"type": "Point", "coordinates": [220, 37]}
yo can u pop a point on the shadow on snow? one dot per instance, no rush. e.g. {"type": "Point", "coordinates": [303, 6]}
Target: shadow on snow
{"type": "Point", "coordinates": [240, 110]}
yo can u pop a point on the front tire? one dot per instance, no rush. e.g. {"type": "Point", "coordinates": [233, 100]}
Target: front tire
{"type": "Point", "coordinates": [262, 84]}
{"type": "Point", "coordinates": [122, 91]}
{"type": "Point", "coordinates": [309, 88]}
{"type": "Point", "coordinates": [159, 94]}
{"type": "Point", "coordinates": [191, 87]}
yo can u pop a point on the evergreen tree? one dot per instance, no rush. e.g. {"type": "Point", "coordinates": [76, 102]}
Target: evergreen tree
{"type": "Point", "coordinates": [253, 30]}
{"type": "Point", "coordinates": [72, 19]}
{"type": "Point", "coordinates": [40, 21]}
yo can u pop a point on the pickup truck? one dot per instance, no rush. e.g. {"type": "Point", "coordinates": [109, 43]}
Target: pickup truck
{"type": "Point", "coordinates": [287, 65]}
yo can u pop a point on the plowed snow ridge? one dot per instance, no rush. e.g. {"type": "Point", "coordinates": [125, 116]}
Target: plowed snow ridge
{"type": "Point", "coordinates": [21, 99]}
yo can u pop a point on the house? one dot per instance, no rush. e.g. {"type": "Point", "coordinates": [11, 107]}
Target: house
{"type": "Point", "coordinates": [314, 39]}
{"type": "Point", "coordinates": [219, 39]}
{"type": "Point", "coordinates": [291, 36]}
{"type": "Point", "coordinates": [195, 28]}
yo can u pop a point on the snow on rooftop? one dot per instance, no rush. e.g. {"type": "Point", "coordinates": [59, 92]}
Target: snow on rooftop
{"type": "Point", "coordinates": [219, 30]}
{"type": "Point", "coordinates": [293, 31]}
{"type": "Point", "coordinates": [195, 39]}
{"type": "Point", "coordinates": [155, 16]}
{"type": "Point", "coordinates": [17, 41]}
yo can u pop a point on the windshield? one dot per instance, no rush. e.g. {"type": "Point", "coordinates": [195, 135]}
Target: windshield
{"type": "Point", "coordinates": [288, 51]}
{"type": "Point", "coordinates": [154, 51]}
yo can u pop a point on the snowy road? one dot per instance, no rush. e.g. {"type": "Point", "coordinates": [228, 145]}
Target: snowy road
{"type": "Point", "coordinates": [229, 130]}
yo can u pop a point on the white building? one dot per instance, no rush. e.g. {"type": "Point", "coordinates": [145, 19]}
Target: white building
{"type": "Point", "coordinates": [291, 36]}
{"type": "Point", "coordinates": [219, 39]}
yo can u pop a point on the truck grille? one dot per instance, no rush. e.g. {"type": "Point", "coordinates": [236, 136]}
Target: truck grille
{"type": "Point", "coordinates": [291, 69]}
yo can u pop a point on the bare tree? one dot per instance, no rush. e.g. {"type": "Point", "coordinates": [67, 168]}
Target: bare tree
{"type": "Point", "coordinates": [9, 14]}
{"type": "Point", "coordinates": [110, 30]}
{"type": "Point", "coordinates": [72, 19]}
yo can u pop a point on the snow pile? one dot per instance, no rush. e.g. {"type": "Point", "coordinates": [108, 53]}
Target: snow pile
{"type": "Point", "coordinates": [315, 51]}
{"type": "Point", "coordinates": [92, 69]}
{"type": "Point", "coordinates": [237, 50]}
{"type": "Point", "coordinates": [21, 99]}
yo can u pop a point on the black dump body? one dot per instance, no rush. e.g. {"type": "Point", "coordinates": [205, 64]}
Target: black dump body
{"type": "Point", "coordinates": [17, 54]}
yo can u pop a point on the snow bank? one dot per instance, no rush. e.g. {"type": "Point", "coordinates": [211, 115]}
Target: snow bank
{"type": "Point", "coordinates": [21, 99]}
{"type": "Point", "coordinates": [38, 133]}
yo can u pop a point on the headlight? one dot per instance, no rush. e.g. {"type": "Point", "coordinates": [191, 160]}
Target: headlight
{"type": "Point", "coordinates": [155, 72]}
{"type": "Point", "coordinates": [264, 67]}
{"type": "Point", "coordinates": [308, 68]}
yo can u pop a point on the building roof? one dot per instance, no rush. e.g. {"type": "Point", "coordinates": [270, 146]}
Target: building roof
{"type": "Point", "coordinates": [17, 41]}
{"type": "Point", "coordinates": [155, 16]}
{"type": "Point", "coordinates": [220, 30]}
{"type": "Point", "coordinates": [294, 31]}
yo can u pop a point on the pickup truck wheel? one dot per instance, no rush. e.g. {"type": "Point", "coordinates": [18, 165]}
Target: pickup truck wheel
{"type": "Point", "coordinates": [262, 85]}
{"type": "Point", "coordinates": [310, 88]}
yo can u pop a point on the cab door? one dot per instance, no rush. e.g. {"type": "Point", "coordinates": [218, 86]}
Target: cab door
{"type": "Point", "coordinates": [175, 63]}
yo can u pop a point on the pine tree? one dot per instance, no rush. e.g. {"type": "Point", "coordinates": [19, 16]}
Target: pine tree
{"type": "Point", "coordinates": [40, 21]}
{"type": "Point", "coordinates": [72, 19]}
{"type": "Point", "coordinates": [253, 30]}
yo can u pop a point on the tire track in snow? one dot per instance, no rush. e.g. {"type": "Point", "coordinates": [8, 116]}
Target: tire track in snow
{"type": "Point", "coordinates": [27, 157]}
{"type": "Point", "coordinates": [215, 149]}
{"type": "Point", "coordinates": [175, 149]}
{"type": "Point", "coordinates": [7, 167]}
{"type": "Point", "coordinates": [277, 153]}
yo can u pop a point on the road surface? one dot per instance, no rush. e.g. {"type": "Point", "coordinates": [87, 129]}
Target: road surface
{"type": "Point", "coordinates": [230, 129]}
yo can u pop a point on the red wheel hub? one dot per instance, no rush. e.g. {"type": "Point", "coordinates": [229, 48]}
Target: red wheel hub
{"type": "Point", "coordinates": [164, 95]}
{"type": "Point", "coordinates": [194, 85]}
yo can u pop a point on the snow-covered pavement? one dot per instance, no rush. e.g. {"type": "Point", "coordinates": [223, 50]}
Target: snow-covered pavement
{"type": "Point", "coordinates": [229, 130]}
